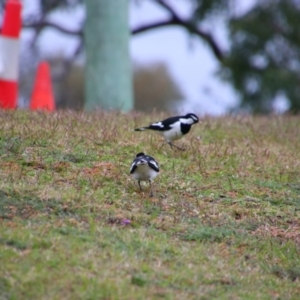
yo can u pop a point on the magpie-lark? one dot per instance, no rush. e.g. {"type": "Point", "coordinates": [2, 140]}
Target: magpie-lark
{"type": "Point", "coordinates": [172, 128]}
{"type": "Point", "coordinates": [144, 168]}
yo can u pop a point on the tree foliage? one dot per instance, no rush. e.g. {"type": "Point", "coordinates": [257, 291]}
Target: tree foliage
{"type": "Point", "coordinates": [262, 62]}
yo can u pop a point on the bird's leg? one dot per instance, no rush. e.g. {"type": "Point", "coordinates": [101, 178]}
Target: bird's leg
{"type": "Point", "coordinates": [161, 146]}
{"type": "Point", "coordinates": [140, 185]}
{"type": "Point", "coordinates": [151, 191]}
{"type": "Point", "coordinates": [179, 148]}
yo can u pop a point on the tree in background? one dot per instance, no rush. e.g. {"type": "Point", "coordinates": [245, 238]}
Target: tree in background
{"type": "Point", "coordinates": [154, 88]}
{"type": "Point", "coordinates": [108, 83]}
{"type": "Point", "coordinates": [153, 85]}
{"type": "Point", "coordinates": [262, 61]}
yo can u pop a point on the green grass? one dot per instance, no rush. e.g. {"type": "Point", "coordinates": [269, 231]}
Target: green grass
{"type": "Point", "coordinates": [224, 222]}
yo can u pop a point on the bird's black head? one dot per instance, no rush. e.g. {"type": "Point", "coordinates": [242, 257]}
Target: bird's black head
{"type": "Point", "coordinates": [140, 154]}
{"type": "Point", "coordinates": [193, 117]}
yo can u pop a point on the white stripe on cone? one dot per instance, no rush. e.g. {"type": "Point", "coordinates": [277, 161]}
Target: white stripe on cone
{"type": "Point", "coordinates": [9, 58]}
{"type": "Point", "coordinates": [1, 64]}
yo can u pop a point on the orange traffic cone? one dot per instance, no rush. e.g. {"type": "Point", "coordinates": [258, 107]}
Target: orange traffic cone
{"type": "Point", "coordinates": [42, 96]}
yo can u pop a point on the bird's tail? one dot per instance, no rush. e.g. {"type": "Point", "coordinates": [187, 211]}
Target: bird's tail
{"type": "Point", "coordinates": [141, 129]}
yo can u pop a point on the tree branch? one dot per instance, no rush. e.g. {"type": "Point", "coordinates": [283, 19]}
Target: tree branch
{"type": "Point", "coordinates": [174, 20]}
{"type": "Point", "coordinates": [41, 24]}
{"type": "Point", "coordinates": [168, 8]}
{"type": "Point", "coordinates": [154, 25]}
{"type": "Point", "coordinates": [190, 27]}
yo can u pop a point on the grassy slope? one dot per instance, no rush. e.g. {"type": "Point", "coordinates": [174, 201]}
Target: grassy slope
{"type": "Point", "coordinates": [224, 222]}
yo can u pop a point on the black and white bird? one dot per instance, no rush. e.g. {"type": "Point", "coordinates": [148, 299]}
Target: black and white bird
{"type": "Point", "coordinates": [172, 128]}
{"type": "Point", "coordinates": [144, 168]}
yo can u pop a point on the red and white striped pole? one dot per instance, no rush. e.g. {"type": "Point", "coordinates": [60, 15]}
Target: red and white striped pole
{"type": "Point", "coordinates": [9, 54]}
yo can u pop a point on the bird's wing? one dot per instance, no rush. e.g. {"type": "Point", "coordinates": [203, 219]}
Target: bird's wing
{"type": "Point", "coordinates": [133, 167]}
{"type": "Point", "coordinates": [161, 125]}
{"type": "Point", "coordinates": [158, 126]}
{"type": "Point", "coordinates": [164, 125]}
{"type": "Point", "coordinates": [153, 164]}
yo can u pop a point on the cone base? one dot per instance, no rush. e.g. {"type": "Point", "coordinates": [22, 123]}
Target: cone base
{"type": "Point", "coordinates": [8, 94]}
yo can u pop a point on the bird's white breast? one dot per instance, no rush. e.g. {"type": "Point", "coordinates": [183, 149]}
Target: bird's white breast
{"type": "Point", "coordinates": [174, 133]}
{"type": "Point", "coordinates": [144, 173]}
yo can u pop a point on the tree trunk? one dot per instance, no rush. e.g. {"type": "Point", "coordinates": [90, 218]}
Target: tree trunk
{"type": "Point", "coordinates": [108, 75]}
